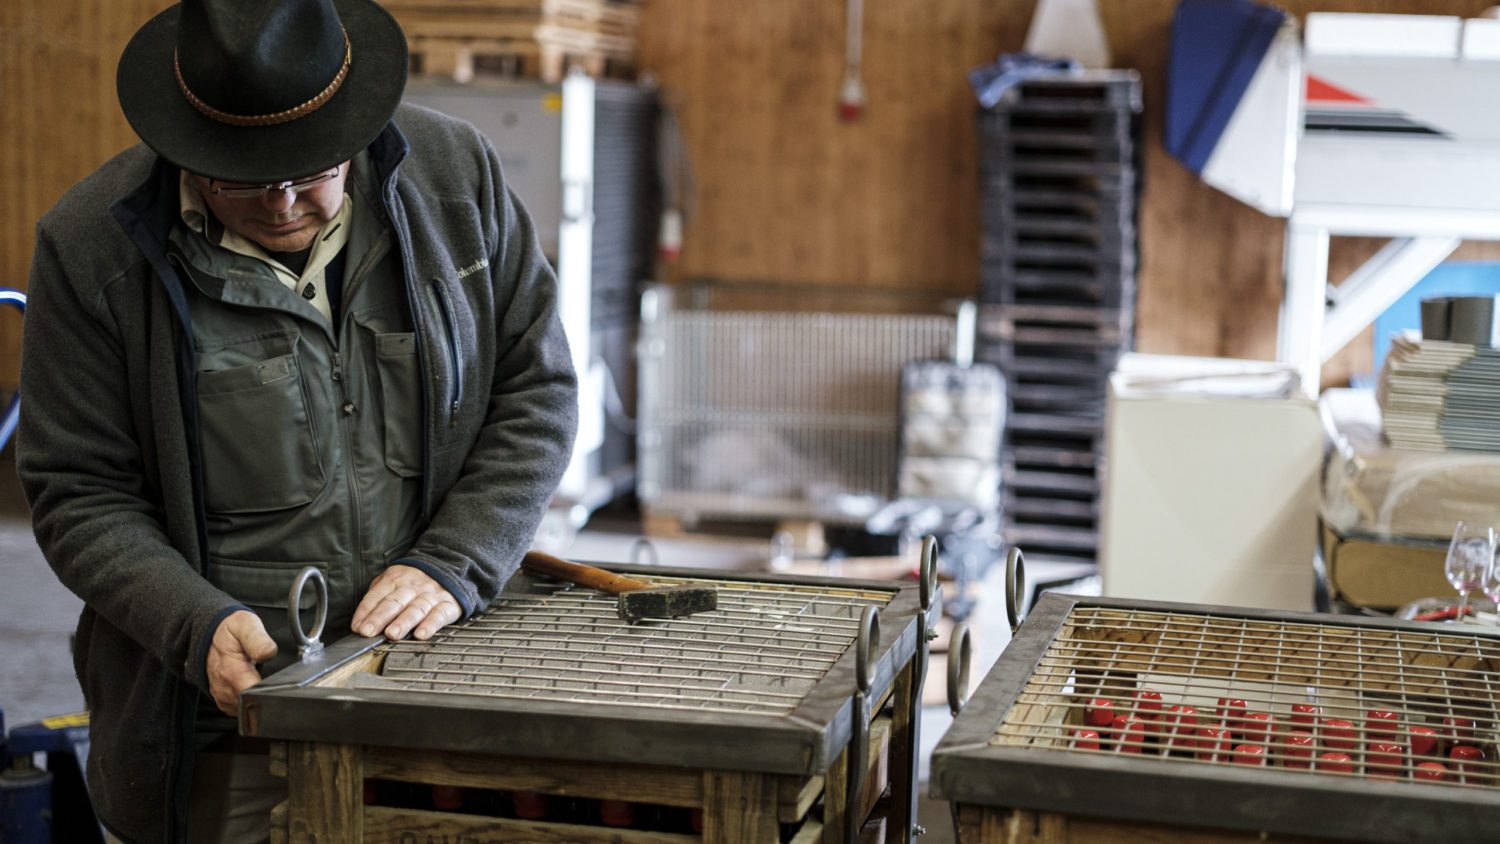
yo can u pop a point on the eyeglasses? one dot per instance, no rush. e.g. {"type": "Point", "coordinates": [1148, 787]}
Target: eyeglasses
{"type": "Point", "coordinates": [294, 186]}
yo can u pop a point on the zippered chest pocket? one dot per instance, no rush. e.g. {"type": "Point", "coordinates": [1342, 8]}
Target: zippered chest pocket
{"type": "Point", "coordinates": [401, 401]}
{"type": "Point", "coordinates": [259, 448]}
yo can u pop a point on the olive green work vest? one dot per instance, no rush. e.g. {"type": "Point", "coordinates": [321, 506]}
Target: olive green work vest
{"type": "Point", "coordinates": [311, 434]}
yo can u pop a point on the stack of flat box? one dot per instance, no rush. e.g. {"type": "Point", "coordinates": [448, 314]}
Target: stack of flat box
{"type": "Point", "coordinates": [1441, 396]}
{"type": "Point", "coordinates": [544, 33]}
{"type": "Point", "coordinates": [1059, 160]}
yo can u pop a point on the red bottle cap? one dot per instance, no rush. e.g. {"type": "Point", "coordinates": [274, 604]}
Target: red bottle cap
{"type": "Point", "coordinates": [1305, 713]}
{"type": "Point", "coordinates": [1299, 749]}
{"type": "Point", "coordinates": [1380, 724]}
{"type": "Point", "coordinates": [1231, 710]}
{"type": "Point", "coordinates": [1465, 753]}
{"type": "Point", "coordinates": [447, 798]}
{"type": "Point", "coordinates": [1458, 730]}
{"type": "Point", "coordinates": [1338, 733]}
{"type": "Point", "coordinates": [1250, 754]}
{"type": "Point", "coordinates": [1436, 771]}
{"type": "Point", "coordinates": [1100, 712]}
{"type": "Point", "coordinates": [616, 812]}
{"type": "Point", "coordinates": [1384, 759]}
{"type": "Point", "coordinates": [1423, 740]}
{"type": "Point", "coordinates": [1181, 725]}
{"type": "Point", "coordinates": [530, 805]}
{"type": "Point", "coordinates": [1215, 744]}
{"type": "Point", "coordinates": [1085, 739]}
{"type": "Point", "coordinates": [1148, 704]}
{"type": "Point", "coordinates": [1334, 761]}
{"type": "Point", "coordinates": [1257, 727]}
{"type": "Point", "coordinates": [1130, 732]}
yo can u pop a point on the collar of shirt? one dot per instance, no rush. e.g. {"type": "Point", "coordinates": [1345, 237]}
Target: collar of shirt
{"type": "Point", "coordinates": [331, 238]}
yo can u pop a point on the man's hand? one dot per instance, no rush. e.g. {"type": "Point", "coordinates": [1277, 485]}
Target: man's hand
{"type": "Point", "coordinates": [401, 599]}
{"type": "Point", "coordinates": [239, 643]}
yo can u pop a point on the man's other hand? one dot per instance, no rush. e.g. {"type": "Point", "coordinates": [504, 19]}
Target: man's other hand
{"type": "Point", "coordinates": [239, 643]}
{"type": "Point", "coordinates": [403, 599]}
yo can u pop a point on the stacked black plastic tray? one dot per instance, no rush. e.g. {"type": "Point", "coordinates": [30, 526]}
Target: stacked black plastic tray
{"type": "Point", "coordinates": [1060, 164]}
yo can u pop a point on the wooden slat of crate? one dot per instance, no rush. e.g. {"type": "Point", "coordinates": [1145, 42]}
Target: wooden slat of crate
{"type": "Point", "coordinates": [999, 825]}
{"type": "Point", "coordinates": [642, 784]}
{"type": "Point", "coordinates": [399, 826]}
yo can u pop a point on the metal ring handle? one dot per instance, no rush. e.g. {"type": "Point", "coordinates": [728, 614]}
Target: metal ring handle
{"type": "Point", "coordinates": [1015, 581]}
{"type": "Point", "coordinates": [960, 649]}
{"type": "Point", "coordinates": [864, 648]}
{"type": "Point", "coordinates": [307, 643]}
{"type": "Point", "coordinates": [644, 547]}
{"type": "Point", "coordinates": [927, 571]}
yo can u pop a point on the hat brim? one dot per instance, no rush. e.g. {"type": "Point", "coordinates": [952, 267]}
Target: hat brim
{"type": "Point", "coordinates": [334, 133]}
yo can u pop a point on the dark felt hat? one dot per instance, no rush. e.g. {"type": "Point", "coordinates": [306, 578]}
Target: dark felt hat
{"type": "Point", "coordinates": [261, 91]}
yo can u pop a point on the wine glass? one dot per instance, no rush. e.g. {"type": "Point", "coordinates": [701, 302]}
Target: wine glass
{"type": "Point", "coordinates": [1471, 559]}
{"type": "Point", "coordinates": [1491, 586]}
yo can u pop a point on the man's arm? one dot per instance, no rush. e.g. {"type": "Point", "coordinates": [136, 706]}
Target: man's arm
{"type": "Point", "coordinates": [488, 518]}
{"type": "Point", "coordinates": [82, 469]}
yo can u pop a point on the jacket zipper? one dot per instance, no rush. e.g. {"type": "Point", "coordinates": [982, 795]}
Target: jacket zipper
{"type": "Point", "coordinates": [346, 410]}
{"type": "Point", "coordinates": [456, 386]}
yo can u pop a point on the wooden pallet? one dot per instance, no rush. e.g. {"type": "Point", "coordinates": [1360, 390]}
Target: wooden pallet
{"type": "Point", "coordinates": [526, 38]}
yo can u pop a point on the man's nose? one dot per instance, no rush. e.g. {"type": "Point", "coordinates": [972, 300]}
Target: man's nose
{"type": "Point", "coordinates": [279, 201]}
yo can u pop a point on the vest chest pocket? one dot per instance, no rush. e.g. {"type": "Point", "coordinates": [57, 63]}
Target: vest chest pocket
{"type": "Point", "coordinates": [401, 402]}
{"type": "Point", "coordinates": [259, 453]}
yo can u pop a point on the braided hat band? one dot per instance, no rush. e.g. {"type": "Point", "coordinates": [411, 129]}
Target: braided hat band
{"type": "Point", "coordinates": [284, 116]}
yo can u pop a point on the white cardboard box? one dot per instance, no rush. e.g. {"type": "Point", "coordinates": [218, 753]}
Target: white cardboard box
{"type": "Point", "coordinates": [1211, 483]}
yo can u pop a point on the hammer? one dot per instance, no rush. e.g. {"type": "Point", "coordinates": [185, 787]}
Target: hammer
{"type": "Point", "coordinates": [638, 599]}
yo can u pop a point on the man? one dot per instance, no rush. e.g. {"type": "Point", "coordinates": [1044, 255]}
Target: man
{"type": "Point", "coordinates": [302, 325]}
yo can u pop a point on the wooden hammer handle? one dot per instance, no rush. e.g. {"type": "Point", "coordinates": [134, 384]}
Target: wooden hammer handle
{"type": "Point", "coordinates": [538, 562]}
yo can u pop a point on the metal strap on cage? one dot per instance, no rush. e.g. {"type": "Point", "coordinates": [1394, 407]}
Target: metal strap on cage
{"type": "Point", "coordinates": [960, 651]}
{"type": "Point", "coordinates": [1015, 581]}
{"type": "Point", "coordinates": [308, 644]}
{"type": "Point", "coordinates": [865, 649]}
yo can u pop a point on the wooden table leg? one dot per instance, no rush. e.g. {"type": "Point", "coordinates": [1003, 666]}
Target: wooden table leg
{"type": "Point", "coordinates": [739, 808]}
{"type": "Point", "coordinates": [325, 799]}
{"type": "Point", "coordinates": [903, 757]}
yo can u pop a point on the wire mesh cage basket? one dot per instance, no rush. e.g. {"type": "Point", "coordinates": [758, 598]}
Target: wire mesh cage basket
{"type": "Point", "coordinates": [773, 402]}
{"type": "Point", "coordinates": [1287, 723]}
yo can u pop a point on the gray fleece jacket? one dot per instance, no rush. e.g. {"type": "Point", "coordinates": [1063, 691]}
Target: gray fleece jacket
{"type": "Point", "coordinates": [108, 446]}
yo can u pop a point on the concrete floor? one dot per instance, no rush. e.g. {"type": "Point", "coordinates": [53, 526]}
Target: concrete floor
{"type": "Point", "coordinates": [37, 617]}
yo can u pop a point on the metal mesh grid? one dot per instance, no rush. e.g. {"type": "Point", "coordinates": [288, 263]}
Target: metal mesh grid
{"type": "Point", "coordinates": [1320, 700]}
{"type": "Point", "coordinates": [749, 412]}
{"type": "Point", "coordinates": [760, 652]}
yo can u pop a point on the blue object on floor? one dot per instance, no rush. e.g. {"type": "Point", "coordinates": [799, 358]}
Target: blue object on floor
{"type": "Point", "coordinates": [42, 805]}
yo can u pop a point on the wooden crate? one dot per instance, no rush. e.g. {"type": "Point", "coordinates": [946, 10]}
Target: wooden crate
{"type": "Point", "coordinates": [329, 800]}
{"type": "Point", "coordinates": [993, 825]}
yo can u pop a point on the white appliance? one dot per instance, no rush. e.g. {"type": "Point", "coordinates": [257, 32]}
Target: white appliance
{"type": "Point", "coordinates": [1211, 489]}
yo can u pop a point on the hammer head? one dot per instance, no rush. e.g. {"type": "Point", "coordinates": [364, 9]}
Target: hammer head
{"type": "Point", "coordinates": [666, 602]}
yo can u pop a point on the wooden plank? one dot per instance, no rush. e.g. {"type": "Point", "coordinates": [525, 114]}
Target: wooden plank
{"type": "Point", "coordinates": [278, 823]}
{"type": "Point", "coordinates": [277, 756]}
{"type": "Point", "coordinates": [368, 663]}
{"type": "Point", "coordinates": [739, 808]}
{"type": "Point", "coordinates": [642, 784]}
{"type": "Point", "coordinates": [902, 752]}
{"type": "Point", "coordinates": [795, 796]}
{"type": "Point", "coordinates": [385, 825]}
{"type": "Point", "coordinates": [1000, 825]}
{"type": "Point", "coordinates": [877, 773]}
{"type": "Point", "coordinates": [836, 799]}
{"type": "Point", "coordinates": [325, 788]}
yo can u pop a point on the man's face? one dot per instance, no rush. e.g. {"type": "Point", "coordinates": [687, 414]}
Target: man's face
{"type": "Point", "coordinates": [277, 220]}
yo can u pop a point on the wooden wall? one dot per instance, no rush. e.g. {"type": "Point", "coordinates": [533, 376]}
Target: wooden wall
{"type": "Point", "coordinates": [58, 119]}
{"type": "Point", "coordinates": [787, 193]}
